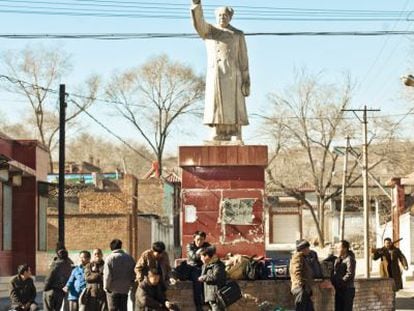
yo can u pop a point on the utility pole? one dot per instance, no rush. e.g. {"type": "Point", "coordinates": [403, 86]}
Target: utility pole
{"type": "Point", "coordinates": [343, 194]}
{"type": "Point", "coordinates": [364, 122]}
{"type": "Point", "coordinates": [61, 199]}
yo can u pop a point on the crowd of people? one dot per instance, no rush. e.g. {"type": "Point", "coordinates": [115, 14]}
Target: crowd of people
{"type": "Point", "coordinates": [100, 285]}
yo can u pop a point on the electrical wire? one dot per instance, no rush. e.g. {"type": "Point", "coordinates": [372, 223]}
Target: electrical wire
{"type": "Point", "coordinates": [162, 10]}
{"type": "Point", "coordinates": [134, 36]}
{"type": "Point", "coordinates": [35, 87]}
{"type": "Point", "coordinates": [111, 132]}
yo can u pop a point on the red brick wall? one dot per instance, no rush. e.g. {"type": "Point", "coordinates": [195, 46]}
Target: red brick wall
{"type": "Point", "coordinates": [24, 229]}
{"type": "Point", "coordinates": [88, 231]}
{"type": "Point", "coordinates": [211, 174]}
{"type": "Point", "coordinates": [144, 234]}
{"type": "Point", "coordinates": [104, 202]}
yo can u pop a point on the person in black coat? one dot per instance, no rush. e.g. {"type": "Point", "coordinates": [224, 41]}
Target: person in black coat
{"type": "Point", "coordinates": [343, 277]}
{"type": "Point", "coordinates": [56, 279]}
{"type": "Point", "coordinates": [22, 290]}
{"type": "Point", "coordinates": [213, 276]}
{"type": "Point", "coordinates": [195, 264]}
{"type": "Point", "coordinates": [95, 294]}
{"type": "Point", "coordinates": [150, 294]}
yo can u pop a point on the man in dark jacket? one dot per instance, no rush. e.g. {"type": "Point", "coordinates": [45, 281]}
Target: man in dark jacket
{"type": "Point", "coordinates": [56, 279]}
{"type": "Point", "coordinates": [22, 290]}
{"type": "Point", "coordinates": [195, 263]}
{"type": "Point", "coordinates": [391, 257]}
{"type": "Point", "coordinates": [301, 275]}
{"type": "Point", "coordinates": [343, 277]}
{"type": "Point", "coordinates": [151, 294]}
{"type": "Point", "coordinates": [213, 276]}
{"type": "Point", "coordinates": [313, 261]}
{"type": "Point", "coordinates": [118, 277]}
{"type": "Point", "coordinates": [95, 294]}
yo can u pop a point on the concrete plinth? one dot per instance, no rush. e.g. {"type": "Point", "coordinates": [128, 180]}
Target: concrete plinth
{"type": "Point", "coordinates": [222, 194]}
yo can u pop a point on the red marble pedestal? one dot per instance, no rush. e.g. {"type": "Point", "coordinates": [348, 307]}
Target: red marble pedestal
{"type": "Point", "coordinates": [222, 194]}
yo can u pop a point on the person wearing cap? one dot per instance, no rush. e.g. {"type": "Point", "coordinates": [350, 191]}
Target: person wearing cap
{"type": "Point", "coordinates": [301, 277]}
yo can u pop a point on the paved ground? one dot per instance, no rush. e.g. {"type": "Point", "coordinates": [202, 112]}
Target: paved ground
{"type": "Point", "coordinates": [404, 301]}
{"type": "Point", "coordinates": [405, 297]}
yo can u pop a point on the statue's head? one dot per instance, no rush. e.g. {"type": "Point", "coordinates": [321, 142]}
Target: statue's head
{"type": "Point", "coordinates": [224, 15]}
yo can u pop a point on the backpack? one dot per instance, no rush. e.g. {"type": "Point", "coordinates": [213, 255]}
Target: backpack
{"type": "Point", "coordinates": [182, 272]}
{"type": "Point", "coordinates": [254, 269]}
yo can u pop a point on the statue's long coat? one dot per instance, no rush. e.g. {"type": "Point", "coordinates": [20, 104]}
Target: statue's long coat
{"type": "Point", "coordinates": [227, 69]}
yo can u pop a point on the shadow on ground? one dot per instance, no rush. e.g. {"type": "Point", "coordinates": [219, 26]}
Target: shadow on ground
{"type": "Point", "coordinates": [404, 303]}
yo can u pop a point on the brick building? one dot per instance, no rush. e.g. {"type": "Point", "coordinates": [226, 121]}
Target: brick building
{"type": "Point", "coordinates": [134, 210]}
{"type": "Point", "coordinates": [23, 172]}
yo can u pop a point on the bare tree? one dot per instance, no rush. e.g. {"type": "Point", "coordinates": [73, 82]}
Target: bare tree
{"type": "Point", "coordinates": [308, 120]}
{"type": "Point", "coordinates": [35, 72]}
{"type": "Point", "coordinates": [107, 154]}
{"type": "Point", "coordinates": [154, 96]}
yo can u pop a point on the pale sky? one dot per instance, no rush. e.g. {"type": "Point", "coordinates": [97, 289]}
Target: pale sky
{"type": "Point", "coordinates": [375, 63]}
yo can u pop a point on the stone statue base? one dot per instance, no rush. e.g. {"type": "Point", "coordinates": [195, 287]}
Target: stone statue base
{"type": "Point", "coordinates": [235, 141]}
{"type": "Point", "coordinates": [223, 194]}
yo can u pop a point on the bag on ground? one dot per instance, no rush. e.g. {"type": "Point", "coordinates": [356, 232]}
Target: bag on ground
{"type": "Point", "coordinates": [229, 293]}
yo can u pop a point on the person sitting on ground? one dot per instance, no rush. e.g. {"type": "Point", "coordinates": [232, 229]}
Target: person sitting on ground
{"type": "Point", "coordinates": [96, 297]}
{"type": "Point", "coordinates": [77, 283]}
{"type": "Point", "coordinates": [151, 294]}
{"type": "Point", "coordinates": [56, 279]}
{"type": "Point", "coordinates": [22, 290]}
{"type": "Point", "coordinates": [154, 258]}
{"type": "Point", "coordinates": [213, 276]}
{"type": "Point", "coordinates": [195, 263]}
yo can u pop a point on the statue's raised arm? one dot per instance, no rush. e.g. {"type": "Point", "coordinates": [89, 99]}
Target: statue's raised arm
{"type": "Point", "coordinates": [201, 26]}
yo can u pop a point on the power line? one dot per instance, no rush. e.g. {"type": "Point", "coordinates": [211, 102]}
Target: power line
{"type": "Point", "coordinates": [34, 86]}
{"type": "Point", "coordinates": [134, 36]}
{"type": "Point", "coordinates": [382, 47]}
{"type": "Point", "coordinates": [153, 11]}
{"type": "Point", "coordinates": [208, 7]}
{"type": "Point", "coordinates": [110, 132]}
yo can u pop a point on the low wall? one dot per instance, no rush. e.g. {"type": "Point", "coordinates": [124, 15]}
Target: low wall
{"type": "Point", "coordinates": [371, 294]}
{"type": "Point", "coordinates": [374, 294]}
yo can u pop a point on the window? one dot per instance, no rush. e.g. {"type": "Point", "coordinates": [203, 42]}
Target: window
{"type": "Point", "coordinates": [43, 202]}
{"type": "Point", "coordinates": [7, 218]}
